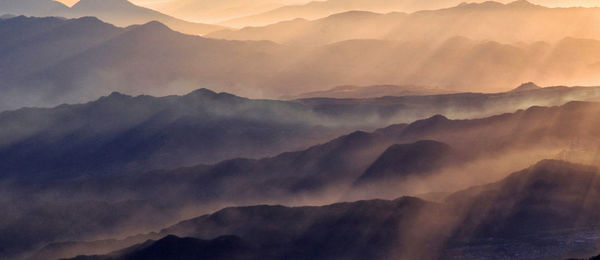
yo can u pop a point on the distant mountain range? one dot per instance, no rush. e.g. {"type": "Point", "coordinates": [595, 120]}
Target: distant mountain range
{"type": "Point", "coordinates": [48, 61]}
{"type": "Point", "coordinates": [513, 22]}
{"type": "Point", "coordinates": [118, 12]}
{"type": "Point", "coordinates": [370, 92]}
{"type": "Point", "coordinates": [217, 11]}
{"type": "Point", "coordinates": [533, 213]}
{"type": "Point", "coordinates": [320, 9]}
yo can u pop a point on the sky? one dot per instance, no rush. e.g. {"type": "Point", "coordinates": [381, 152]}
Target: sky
{"type": "Point", "coordinates": [139, 2]}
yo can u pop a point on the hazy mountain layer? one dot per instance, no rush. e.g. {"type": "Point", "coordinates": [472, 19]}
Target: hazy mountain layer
{"type": "Point", "coordinates": [483, 150]}
{"type": "Point", "coordinates": [518, 21]}
{"type": "Point", "coordinates": [121, 133]}
{"type": "Point", "coordinates": [101, 57]}
{"type": "Point", "coordinates": [533, 213]}
{"type": "Point", "coordinates": [320, 9]}
{"type": "Point", "coordinates": [118, 12]}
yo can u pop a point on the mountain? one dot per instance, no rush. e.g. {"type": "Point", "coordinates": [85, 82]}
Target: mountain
{"type": "Point", "coordinates": [370, 92]}
{"type": "Point", "coordinates": [31, 7]}
{"type": "Point", "coordinates": [118, 12]}
{"type": "Point", "coordinates": [124, 62]}
{"type": "Point", "coordinates": [532, 213]}
{"type": "Point", "coordinates": [102, 58]}
{"type": "Point", "coordinates": [358, 230]}
{"type": "Point", "coordinates": [319, 9]}
{"type": "Point", "coordinates": [173, 247]}
{"type": "Point", "coordinates": [214, 12]}
{"type": "Point", "coordinates": [7, 16]}
{"type": "Point", "coordinates": [148, 133]}
{"type": "Point", "coordinates": [399, 162]}
{"type": "Point", "coordinates": [529, 86]}
{"type": "Point", "coordinates": [124, 13]}
{"type": "Point", "coordinates": [124, 133]}
{"type": "Point", "coordinates": [518, 21]}
{"type": "Point", "coordinates": [322, 174]}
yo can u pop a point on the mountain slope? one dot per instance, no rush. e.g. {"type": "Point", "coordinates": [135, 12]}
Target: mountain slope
{"type": "Point", "coordinates": [172, 247]}
{"type": "Point", "coordinates": [518, 21]}
{"type": "Point", "coordinates": [533, 213]}
{"type": "Point", "coordinates": [124, 13]}
{"type": "Point", "coordinates": [31, 7]}
{"type": "Point", "coordinates": [214, 12]}
{"type": "Point", "coordinates": [319, 9]}
{"type": "Point", "coordinates": [403, 161]}
{"type": "Point", "coordinates": [118, 12]}
{"type": "Point", "coordinates": [147, 133]}
{"type": "Point", "coordinates": [102, 58]}
{"type": "Point", "coordinates": [327, 172]}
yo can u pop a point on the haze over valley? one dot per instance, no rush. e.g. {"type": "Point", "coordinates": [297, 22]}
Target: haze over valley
{"type": "Point", "coordinates": [297, 129]}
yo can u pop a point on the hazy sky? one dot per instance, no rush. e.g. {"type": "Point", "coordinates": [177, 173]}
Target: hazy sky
{"type": "Point", "coordinates": [150, 3]}
{"type": "Point", "coordinates": [140, 2]}
{"type": "Point", "coordinates": [551, 3]}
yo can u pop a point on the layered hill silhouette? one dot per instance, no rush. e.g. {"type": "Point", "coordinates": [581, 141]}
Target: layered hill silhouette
{"type": "Point", "coordinates": [325, 171]}
{"type": "Point", "coordinates": [532, 213]}
{"type": "Point", "coordinates": [32, 7]}
{"type": "Point", "coordinates": [146, 133]}
{"type": "Point", "coordinates": [402, 161]}
{"type": "Point", "coordinates": [518, 21]}
{"type": "Point", "coordinates": [120, 133]}
{"type": "Point", "coordinates": [319, 9]}
{"type": "Point", "coordinates": [101, 57]}
{"type": "Point", "coordinates": [118, 12]}
{"type": "Point", "coordinates": [361, 92]}
{"type": "Point", "coordinates": [215, 12]}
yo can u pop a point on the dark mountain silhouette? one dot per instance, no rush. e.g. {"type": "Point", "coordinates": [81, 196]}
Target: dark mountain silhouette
{"type": "Point", "coordinates": [532, 214]}
{"type": "Point", "coordinates": [148, 133]}
{"type": "Point", "coordinates": [173, 247]}
{"type": "Point", "coordinates": [323, 171]}
{"type": "Point", "coordinates": [402, 161]}
{"type": "Point", "coordinates": [527, 87]}
{"type": "Point", "coordinates": [538, 209]}
{"type": "Point", "coordinates": [121, 133]}
{"type": "Point", "coordinates": [358, 230]}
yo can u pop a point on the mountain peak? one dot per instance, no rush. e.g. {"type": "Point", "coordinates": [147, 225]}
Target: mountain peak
{"type": "Point", "coordinates": [526, 87]}
{"type": "Point", "coordinates": [101, 3]}
{"type": "Point", "coordinates": [521, 3]}
{"type": "Point", "coordinates": [202, 92]}
{"type": "Point", "coordinates": [151, 27]}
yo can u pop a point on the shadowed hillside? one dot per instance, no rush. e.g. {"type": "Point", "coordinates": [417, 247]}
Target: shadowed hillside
{"type": "Point", "coordinates": [486, 149]}
{"type": "Point", "coordinates": [532, 214]}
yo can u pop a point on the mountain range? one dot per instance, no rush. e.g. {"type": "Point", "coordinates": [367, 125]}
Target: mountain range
{"type": "Point", "coordinates": [118, 12]}
{"type": "Point", "coordinates": [440, 155]}
{"type": "Point", "coordinates": [319, 9]}
{"type": "Point", "coordinates": [148, 133]}
{"type": "Point", "coordinates": [49, 61]}
{"type": "Point", "coordinates": [532, 213]}
{"type": "Point", "coordinates": [513, 22]}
